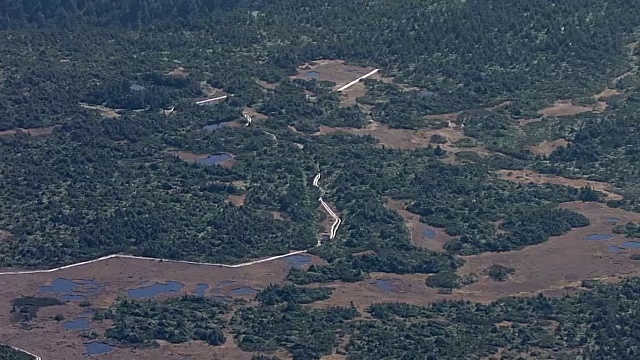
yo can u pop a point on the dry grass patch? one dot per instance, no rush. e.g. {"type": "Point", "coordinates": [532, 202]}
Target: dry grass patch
{"type": "Point", "coordinates": [564, 108]}
{"type": "Point", "coordinates": [43, 131]}
{"type": "Point", "coordinates": [117, 275]}
{"type": "Point", "coordinates": [560, 264]}
{"type": "Point", "coordinates": [418, 229]}
{"type": "Point", "coordinates": [278, 215]}
{"type": "Point", "coordinates": [547, 147]}
{"type": "Point", "coordinates": [179, 72]}
{"type": "Point", "coordinates": [529, 176]}
{"type": "Point", "coordinates": [267, 85]}
{"type": "Point", "coordinates": [5, 235]}
{"type": "Point", "coordinates": [210, 91]}
{"type": "Point", "coordinates": [237, 200]}
{"type": "Point", "coordinates": [104, 111]}
{"type": "Point", "coordinates": [336, 71]}
{"type": "Point", "coordinates": [254, 114]}
{"type": "Point", "coordinates": [187, 156]}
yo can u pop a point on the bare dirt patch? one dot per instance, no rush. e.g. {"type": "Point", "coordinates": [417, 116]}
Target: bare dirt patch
{"type": "Point", "coordinates": [237, 200]}
{"type": "Point", "coordinates": [254, 114]}
{"type": "Point", "coordinates": [48, 338]}
{"type": "Point", "coordinates": [187, 156]}
{"type": "Point", "coordinates": [278, 215]}
{"type": "Point", "coordinates": [564, 108]}
{"type": "Point", "coordinates": [5, 235]}
{"type": "Point", "coordinates": [179, 72]}
{"type": "Point", "coordinates": [547, 147]}
{"type": "Point", "coordinates": [528, 176]}
{"type": "Point", "coordinates": [43, 131]}
{"type": "Point", "coordinates": [104, 111]}
{"type": "Point", "coordinates": [210, 91]}
{"type": "Point", "coordinates": [418, 229]}
{"type": "Point", "coordinates": [398, 138]}
{"type": "Point", "coordinates": [267, 85]}
{"type": "Point", "coordinates": [336, 71]}
{"type": "Point", "coordinates": [527, 121]}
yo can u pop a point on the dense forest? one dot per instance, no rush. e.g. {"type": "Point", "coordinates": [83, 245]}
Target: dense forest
{"type": "Point", "coordinates": [102, 149]}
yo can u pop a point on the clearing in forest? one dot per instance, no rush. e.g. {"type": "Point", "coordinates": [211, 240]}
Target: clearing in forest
{"type": "Point", "coordinates": [529, 176]}
{"type": "Point", "coordinates": [104, 111]}
{"type": "Point", "coordinates": [422, 235]}
{"type": "Point", "coordinates": [42, 131]}
{"type": "Point", "coordinates": [336, 71]}
{"type": "Point", "coordinates": [565, 108]}
{"type": "Point", "coordinates": [547, 147]}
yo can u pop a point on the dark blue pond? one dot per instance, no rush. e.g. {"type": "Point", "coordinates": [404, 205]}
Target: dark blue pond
{"type": "Point", "coordinates": [215, 159]}
{"type": "Point", "coordinates": [73, 297]}
{"type": "Point", "coordinates": [71, 290]}
{"type": "Point", "coordinates": [298, 261]}
{"type": "Point", "coordinates": [430, 234]}
{"type": "Point", "coordinates": [598, 237]}
{"type": "Point", "coordinates": [60, 285]}
{"type": "Point", "coordinates": [215, 127]}
{"type": "Point", "coordinates": [631, 245]}
{"type": "Point", "coordinates": [98, 348]}
{"type": "Point", "coordinates": [201, 289]}
{"type": "Point", "coordinates": [613, 220]}
{"type": "Point", "coordinates": [385, 284]}
{"type": "Point", "coordinates": [245, 290]}
{"type": "Point", "coordinates": [77, 324]}
{"type": "Point", "coordinates": [615, 249]}
{"type": "Point", "coordinates": [155, 290]}
{"type": "Point", "coordinates": [312, 74]}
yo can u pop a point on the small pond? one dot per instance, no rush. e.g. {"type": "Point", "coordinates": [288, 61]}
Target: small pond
{"type": "Point", "coordinates": [430, 234]}
{"type": "Point", "coordinates": [201, 289]}
{"type": "Point", "coordinates": [77, 324]}
{"type": "Point", "coordinates": [598, 237]}
{"type": "Point", "coordinates": [613, 220]}
{"type": "Point", "coordinates": [73, 297]}
{"type": "Point", "coordinates": [215, 159]}
{"type": "Point", "coordinates": [615, 249]}
{"type": "Point", "coordinates": [245, 290]}
{"type": "Point", "coordinates": [155, 290]}
{"type": "Point", "coordinates": [71, 290]}
{"type": "Point", "coordinates": [215, 127]}
{"type": "Point", "coordinates": [98, 348]}
{"type": "Point", "coordinates": [59, 285]}
{"type": "Point", "coordinates": [385, 284]}
{"type": "Point", "coordinates": [312, 74]}
{"type": "Point", "coordinates": [631, 245]}
{"type": "Point", "coordinates": [298, 260]}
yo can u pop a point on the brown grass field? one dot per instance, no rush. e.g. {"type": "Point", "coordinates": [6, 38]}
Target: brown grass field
{"type": "Point", "coordinates": [48, 339]}
{"type": "Point", "coordinates": [43, 131]}
{"type": "Point", "coordinates": [528, 176]}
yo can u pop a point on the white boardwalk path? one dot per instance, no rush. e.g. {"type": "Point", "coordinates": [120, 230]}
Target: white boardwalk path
{"type": "Point", "coordinates": [345, 87]}
{"type": "Point", "coordinates": [36, 357]}
{"type": "Point", "coordinates": [337, 220]}
{"type": "Point", "coordinates": [201, 102]}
